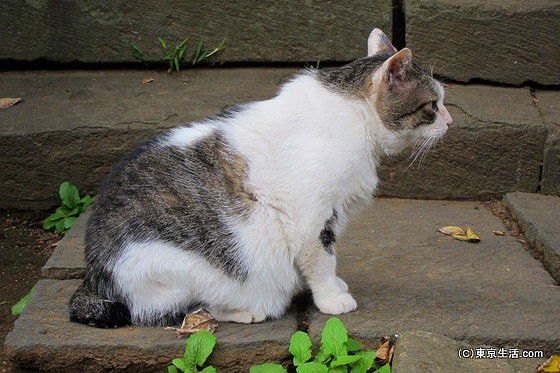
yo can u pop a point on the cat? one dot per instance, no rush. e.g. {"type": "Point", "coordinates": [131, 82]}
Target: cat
{"type": "Point", "coordinates": [239, 212]}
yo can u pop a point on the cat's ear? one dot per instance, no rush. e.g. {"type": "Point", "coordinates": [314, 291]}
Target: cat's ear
{"type": "Point", "coordinates": [378, 41]}
{"type": "Point", "coordinates": [396, 69]}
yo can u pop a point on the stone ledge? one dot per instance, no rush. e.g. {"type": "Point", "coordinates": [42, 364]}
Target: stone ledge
{"type": "Point", "coordinates": [549, 104]}
{"type": "Point", "coordinates": [74, 126]}
{"type": "Point", "coordinates": [538, 217]}
{"type": "Point", "coordinates": [502, 41]}
{"type": "Point", "coordinates": [43, 338]}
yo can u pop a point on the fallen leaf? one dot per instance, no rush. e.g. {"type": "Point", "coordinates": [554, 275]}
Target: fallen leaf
{"type": "Point", "coordinates": [384, 354]}
{"type": "Point", "coordinates": [499, 233]}
{"type": "Point", "coordinates": [195, 322]}
{"type": "Point", "coordinates": [469, 236]}
{"type": "Point", "coordinates": [9, 101]}
{"type": "Point", "coordinates": [552, 365]}
{"type": "Point", "coordinates": [451, 230]}
{"type": "Point", "coordinates": [147, 80]}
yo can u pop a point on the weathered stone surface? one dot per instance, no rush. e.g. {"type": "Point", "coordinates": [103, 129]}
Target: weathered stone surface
{"type": "Point", "coordinates": [407, 276]}
{"type": "Point", "coordinates": [93, 31]}
{"type": "Point", "coordinates": [44, 338]}
{"type": "Point", "coordinates": [494, 146]}
{"type": "Point", "coordinates": [502, 41]}
{"type": "Point", "coordinates": [75, 125]}
{"type": "Point", "coordinates": [538, 217]}
{"type": "Point", "coordinates": [549, 104]}
{"type": "Point", "coordinates": [67, 261]}
{"type": "Point", "coordinates": [424, 352]}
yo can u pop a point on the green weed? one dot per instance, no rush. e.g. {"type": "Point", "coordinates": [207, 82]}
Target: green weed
{"type": "Point", "coordinates": [176, 56]}
{"type": "Point", "coordinates": [70, 208]}
{"type": "Point", "coordinates": [337, 354]}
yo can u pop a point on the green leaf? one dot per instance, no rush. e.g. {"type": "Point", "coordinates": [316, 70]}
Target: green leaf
{"type": "Point", "coordinates": [384, 369]}
{"type": "Point", "coordinates": [59, 226]}
{"type": "Point", "coordinates": [162, 43]}
{"type": "Point", "coordinates": [85, 202]}
{"type": "Point", "coordinates": [62, 211]}
{"type": "Point", "coordinates": [268, 368]}
{"type": "Point", "coordinates": [209, 369]}
{"type": "Point", "coordinates": [69, 194]}
{"type": "Point", "coordinates": [300, 347]}
{"type": "Point", "coordinates": [365, 362]}
{"type": "Point", "coordinates": [48, 224]}
{"type": "Point", "coordinates": [312, 367]}
{"type": "Point", "coordinates": [18, 308]}
{"type": "Point", "coordinates": [198, 347]}
{"type": "Point", "coordinates": [181, 364]}
{"type": "Point", "coordinates": [322, 357]}
{"type": "Point", "coordinates": [334, 338]}
{"type": "Point", "coordinates": [353, 345]}
{"type": "Point", "coordinates": [172, 369]}
{"type": "Point", "coordinates": [69, 221]}
{"type": "Point", "coordinates": [340, 369]}
{"type": "Point", "coordinates": [345, 360]}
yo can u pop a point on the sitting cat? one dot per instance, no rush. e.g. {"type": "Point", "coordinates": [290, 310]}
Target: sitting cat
{"type": "Point", "coordinates": [239, 212]}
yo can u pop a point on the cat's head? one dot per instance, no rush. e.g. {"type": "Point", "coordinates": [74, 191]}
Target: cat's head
{"type": "Point", "coordinates": [408, 100]}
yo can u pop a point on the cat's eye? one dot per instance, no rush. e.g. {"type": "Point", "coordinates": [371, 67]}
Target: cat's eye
{"type": "Point", "coordinates": [434, 106]}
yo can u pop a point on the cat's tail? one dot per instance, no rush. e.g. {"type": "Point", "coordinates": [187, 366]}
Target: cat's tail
{"type": "Point", "coordinates": [88, 308]}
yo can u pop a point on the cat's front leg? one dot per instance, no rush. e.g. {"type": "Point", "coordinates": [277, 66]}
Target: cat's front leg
{"type": "Point", "coordinates": [330, 293]}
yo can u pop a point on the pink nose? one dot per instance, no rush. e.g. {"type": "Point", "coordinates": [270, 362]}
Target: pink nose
{"type": "Point", "coordinates": [446, 116]}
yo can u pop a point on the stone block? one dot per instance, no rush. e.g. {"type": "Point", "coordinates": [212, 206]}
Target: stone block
{"type": "Point", "coordinates": [502, 41]}
{"type": "Point", "coordinates": [494, 146]}
{"type": "Point", "coordinates": [538, 216]}
{"type": "Point", "coordinates": [549, 104]}
{"type": "Point", "coordinates": [93, 31]}
{"type": "Point", "coordinates": [75, 125]}
{"type": "Point", "coordinates": [406, 276]}
{"type": "Point", "coordinates": [43, 338]}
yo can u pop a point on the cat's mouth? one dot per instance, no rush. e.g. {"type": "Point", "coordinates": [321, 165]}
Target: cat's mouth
{"type": "Point", "coordinates": [423, 144]}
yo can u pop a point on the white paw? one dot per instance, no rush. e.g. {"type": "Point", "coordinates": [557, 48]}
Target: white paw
{"type": "Point", "coordinates": [340, 303]}
{"type": "Point", "coordinates": [342, 284]}
{"type": "Point", "coordinates": [238, 316]}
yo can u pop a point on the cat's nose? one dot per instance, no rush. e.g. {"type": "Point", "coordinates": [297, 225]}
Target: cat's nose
{"type": "Point", "coordinates": [446, 116]}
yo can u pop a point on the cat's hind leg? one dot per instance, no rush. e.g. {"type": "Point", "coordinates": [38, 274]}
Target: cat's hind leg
{"type": "Point", "coordinates": [87, 307]}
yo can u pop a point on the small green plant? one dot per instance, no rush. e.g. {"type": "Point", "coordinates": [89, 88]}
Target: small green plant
{"type": "Point", "coordinates": [313, 66]}
{"type": "Point", "coordinates": [176, 56]}
{"type": "Point", "coordinates": [337, 354]}
{"type": "Point", "coordinates": [197, 349]}
{"type": "Point", "coordinates": [18, 308]}
{"type": "Point", "coordinates": [70, 208]}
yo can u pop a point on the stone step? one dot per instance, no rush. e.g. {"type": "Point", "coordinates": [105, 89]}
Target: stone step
{"type": "Point", "coordinates": [75, 125]}
{"type": "Point", "coordinates": [404, 274]}
{"type": "Point", "coordinates": [508, 41]}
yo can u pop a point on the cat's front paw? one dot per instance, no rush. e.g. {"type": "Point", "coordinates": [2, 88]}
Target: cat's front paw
{"type": "Point", "coordinates": [340, 303]}
{"type": "Point", "coordinates": [342, 284]}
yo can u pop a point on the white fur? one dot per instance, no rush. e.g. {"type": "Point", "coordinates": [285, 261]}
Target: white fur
{"type": "Point", "coordinates": [309, 150]}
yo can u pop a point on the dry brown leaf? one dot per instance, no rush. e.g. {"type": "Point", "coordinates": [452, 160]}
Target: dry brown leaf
{"type": "Point", "coordinates": [451, 230]}
{"type": "Point", "coordinates": [552, 365]}
{"type": "Point", "coordinates": [147, 80]}
{"type": "Point", "coordinates": [9, 101]}
{"type": "Point", "coordinates": [195, 322]}
{"type": "Point", "coordinates": [469, 236]}
{"type": "Point", "coordinates": [499, 233]}
{"type": "Point", "coordinates": [384, 354]}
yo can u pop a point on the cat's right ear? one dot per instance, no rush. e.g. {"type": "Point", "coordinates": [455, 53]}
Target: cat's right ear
{"type": "Point", "coordinates": [378, 41]}
{"type": "Point", "coordinates": [396, 69]}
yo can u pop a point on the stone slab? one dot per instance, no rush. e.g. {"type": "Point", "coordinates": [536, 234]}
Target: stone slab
{"type": "Point", "coordinates": [494, 146]}
{"type": "Point", "coordinates": [539, 218]}
{"type": "Point", "coordinates": [407, 276]}
{"type": "Point", "coordinates": [423, 352]}
{"type": "Point", "coordinates": [43, 338]}
{"type": "Point", "coordinates": [92, 31]}
{"type": "Point", "coordinates": [67, 260]}
{"type": "Point", "coordinates": [502, 41]}
{"type": "Point", "coordinates": [549, 104]}
{"type": "Point", "coordinates": [75, 125]}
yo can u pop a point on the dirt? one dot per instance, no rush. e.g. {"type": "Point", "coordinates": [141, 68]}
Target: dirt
{"type": "Point", "coordinates": [24, 248]}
